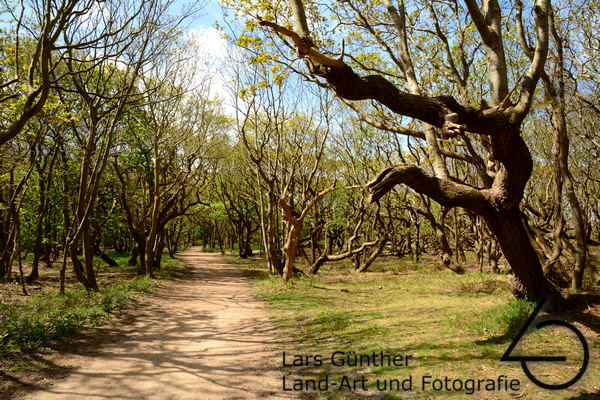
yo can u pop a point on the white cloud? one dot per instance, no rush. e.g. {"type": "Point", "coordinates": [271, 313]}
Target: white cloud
{"type": "Point", "coordinates": [210, 42]}
{"type": "Point", "coordinates": [212, 50]}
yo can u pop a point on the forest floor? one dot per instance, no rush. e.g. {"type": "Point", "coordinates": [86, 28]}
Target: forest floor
{"type": "Point", "coordinates": [450, 325]}
{"type": "Point", "coordinates": [203, 336]}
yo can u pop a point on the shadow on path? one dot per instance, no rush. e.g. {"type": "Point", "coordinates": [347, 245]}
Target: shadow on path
{"type": "Point", "coordinates": [204, 337]}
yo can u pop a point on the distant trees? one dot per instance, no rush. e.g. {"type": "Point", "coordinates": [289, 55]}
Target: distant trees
{"type": "Point", "coordinates": [174, 138]}
{"type": "Point", "coordinates": [287, 151]}
{"type": "Point", "coordinates": [96, 69]}
{"type": "Point", "coordinates": [113, 138]}
{"type": "Point", "coordinates": [237, 192]}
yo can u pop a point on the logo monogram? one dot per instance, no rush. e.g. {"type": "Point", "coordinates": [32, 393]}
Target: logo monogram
{"type": "Point", "coordinates": [525, 359]}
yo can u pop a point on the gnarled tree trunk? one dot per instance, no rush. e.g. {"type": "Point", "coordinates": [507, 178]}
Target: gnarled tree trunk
{"type": "Point", "coordinates": [510, 232]}
{"type": "Point", "coordinates": [500, 125]}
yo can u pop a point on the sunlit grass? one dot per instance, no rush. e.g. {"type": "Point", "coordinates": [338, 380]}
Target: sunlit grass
{"type": "Point", "coordinates": [454, 325]}
{"type": "Point", "coordinates": [40, 319]}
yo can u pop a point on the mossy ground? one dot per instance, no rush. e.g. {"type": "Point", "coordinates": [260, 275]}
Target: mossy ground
{"type": "Point", "coordinates": [453, 325]}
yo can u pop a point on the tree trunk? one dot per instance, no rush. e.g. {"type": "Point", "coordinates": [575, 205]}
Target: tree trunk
{"type": "Point", "coordinates": [248, 239]}
{"type": "Point", "coordinates": [324, 257]}
{"type": "Point", "coordinates": [510, 232]}
{"type": "Point", "coordinates": [313, 246]}
{"type": "Point", "coordinates": [105, 257]}
{"type": "Point", "coordinates": [88, 255]}
{"type": "Point", "coordinates": [374, 254]}
{"type": "Point", "coordinates": [141, 246]}
{"type": "Point", "coordinates": [356, 260]}
{"type": "Point", "coordinates": [241, 242]}
{"type": "Point", "coordinates": [152, 237]}
{"type": "Point", "coordinates": [78, 268]}
{"type": "Point", "coordinates": [133, 256]}
{"type": "Point", "coordinates": [5, 265]}
{"type": "Point", "coordinates": [559, 113]}
{"type": "Point", "coordinates": [273, 253]}
{"type": "Point", "coordinates": [318, 264]}
{"type": "Point", "coordinates": [291, 244]}
{"type": "Point", "coordinates": [63, 269]}
{"type": "Point", "coordinates": [416, 249]}
{"type": "Point", "coordinates": [37, 246]}
{"type": "Point", "coordinates": [42, 215]}
{"type": "Point", "coordinates": [442, 239]}
{"type": "Point", "coordinates": [158, 250]}
{"type": "Point", "coordinates": [17, 251]}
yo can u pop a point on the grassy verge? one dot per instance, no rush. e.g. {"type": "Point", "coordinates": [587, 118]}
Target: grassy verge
{"type": "Point", "coordinates": [452, 325]}
{"type": "Point", "coordinates": [43, 318]}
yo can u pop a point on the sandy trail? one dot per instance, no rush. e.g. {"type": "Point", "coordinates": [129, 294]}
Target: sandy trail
{"type": "Point", "coordinates": [204, 337]}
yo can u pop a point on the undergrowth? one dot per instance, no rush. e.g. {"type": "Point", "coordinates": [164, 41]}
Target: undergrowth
{"type": "Point", "coordinates": [48, 317]}
{"type": "Point", "coordinates": [454, 325]}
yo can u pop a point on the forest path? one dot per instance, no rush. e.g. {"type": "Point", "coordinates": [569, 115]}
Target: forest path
{"type": "Point", "coordinates": [203, 337]}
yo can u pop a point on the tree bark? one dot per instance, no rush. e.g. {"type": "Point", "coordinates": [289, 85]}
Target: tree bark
{"type": "Point", "coordinates": [105, 257]}
{"type": "Point", "coordinates": [133, 256]}
{"type": "Point", "coordinates": [510, 231]}
{"type": "Point", "coordinates": [290, 247]}
{"type": "Point", "coordinates": [380, 245]}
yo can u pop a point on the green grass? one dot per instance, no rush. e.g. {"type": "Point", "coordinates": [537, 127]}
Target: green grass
{"type": "Point", "coordinates": [47, 317]}
{"type": "Point", "coordinates": [453, 325]}
{"type": "Point", "coordinates": [122, 260]}
{"type": "Point", "coordinates": [120, 257]}
{"type": "Point", "coordinates": [252, 263]}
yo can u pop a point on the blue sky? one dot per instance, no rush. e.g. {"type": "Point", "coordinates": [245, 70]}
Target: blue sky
{"type": "Point", "coordinates": [210, 13]}
{"type": "Point", "coordinates": [213, 13]}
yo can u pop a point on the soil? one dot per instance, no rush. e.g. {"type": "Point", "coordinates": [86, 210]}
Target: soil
{"type": "Point", "coordinates": [203, 337]}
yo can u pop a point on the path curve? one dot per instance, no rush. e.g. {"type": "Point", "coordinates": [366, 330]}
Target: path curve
{"type": "Point", "coordinates": [205, 337]}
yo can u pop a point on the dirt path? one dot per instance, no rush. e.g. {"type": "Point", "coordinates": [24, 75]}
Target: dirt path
{"type": "Point", "coordinates": [205, 337]}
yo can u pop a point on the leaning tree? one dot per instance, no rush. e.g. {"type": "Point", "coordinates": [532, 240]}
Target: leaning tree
{"type": "Point", "coordinates": [497, 125]}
